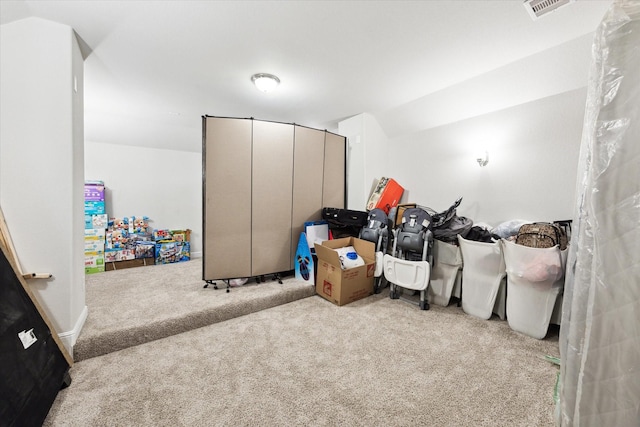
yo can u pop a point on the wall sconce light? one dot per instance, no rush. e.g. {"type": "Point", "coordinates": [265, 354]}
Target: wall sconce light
{"type": "Point", "coordinates": [265, 82]}
{"type": "Point", "coordinates": [482, 158]}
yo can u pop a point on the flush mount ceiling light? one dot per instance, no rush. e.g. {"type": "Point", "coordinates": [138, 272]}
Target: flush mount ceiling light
{"type": "Point", "coordinates": [265, 82]}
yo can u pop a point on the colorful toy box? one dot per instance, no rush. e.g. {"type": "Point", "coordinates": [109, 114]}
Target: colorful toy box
{"type": "Point", "coordinates": [139, 225]}
{"type": "Point", "coordinates": [94, 191]}
{"type": "Point", "coordinates": [145, 249]}
{"type": "Point", "coordinates": [93, 246]}
{"type": "Point", "coordinates": [94, 208]}
{"type": "Point", "coordinates": [386, 195]}
{"type": "Point", "coordinates": [98, 233]}
{"type": "Point", "coordinates": [96, 221]}
{"type": "Point", "coordinates": [117, 239]}
{"type": "Point", "coordinates": [115, 255]}
{"type": "Point", "coordinates": [162, 234]}
{"type": "Point", "coordinates": [171, 251]}
{"type": "Point", "coordinates": [94, 240]}
{"type": "Point", "coordinates": [93, 262]}
{"type": "Point", "coordinates": [181, 235]}
{"type": "Point", "coordinates": [119, 224]}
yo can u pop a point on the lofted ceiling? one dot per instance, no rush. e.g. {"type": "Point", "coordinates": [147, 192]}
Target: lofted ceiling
{"type": "Point", "coordinates": [154, 68]}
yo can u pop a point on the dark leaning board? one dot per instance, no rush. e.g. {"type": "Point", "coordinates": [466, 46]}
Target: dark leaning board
{"type": "Point", "coordinates": [33, 364]}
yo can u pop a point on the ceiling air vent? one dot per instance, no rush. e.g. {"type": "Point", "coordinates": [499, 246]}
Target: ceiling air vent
{"type": "Point", "coordinates": [537, 8]}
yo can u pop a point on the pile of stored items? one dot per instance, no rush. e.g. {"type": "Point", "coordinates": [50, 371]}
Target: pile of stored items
{"type": "Point", "coordinates": [127, 241]}
{"type": "Point", "coordinates": [429, 257]}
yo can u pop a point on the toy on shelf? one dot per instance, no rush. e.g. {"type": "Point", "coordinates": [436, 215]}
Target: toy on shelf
{"type": "Point", "coordinates": [139, 224]}
{"type": "Point", "coordinates": [117, 238]}
{"type": "Point", "coordinates": [181, 235]}
{"type": "Point", "coordinates": [163, 234]}
{"type": "Point", "coordinates": [172, 245]}
{"type": "Point", "coordinates": [170, 251]}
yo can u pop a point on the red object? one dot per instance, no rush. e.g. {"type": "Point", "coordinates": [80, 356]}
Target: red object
{"type": "Point", "coordinates": [386, 195]}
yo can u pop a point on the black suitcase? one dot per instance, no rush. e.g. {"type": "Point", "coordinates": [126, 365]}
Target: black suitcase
{"type": "Point", "coordinates": [344, 222]}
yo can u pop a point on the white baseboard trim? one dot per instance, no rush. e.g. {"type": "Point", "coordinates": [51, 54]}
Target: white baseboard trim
{"type": "Point", "coordinates": [196, 254]}
{"type": "Point", "coordinates": [69, 338]}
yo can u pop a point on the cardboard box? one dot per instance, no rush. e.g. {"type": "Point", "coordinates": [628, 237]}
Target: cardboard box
{"type": "Point", "coordinates": [95, 221]}
{"type": "Point", "coordinates": [100, 221]}
{"type": "Point", "coordinates": [162, 234]}
{"type": "Point", "coordinates": [94, 246]}
{"type": "Point", "coordinates": [401, 208]}
{"type": "Point", "coordinates": [116, 239]}
{"type": "Point", "coordinates": [386, 195]}
{"type": "Point", "coordinates": [95, 232]}
{"type": "Point", "coordinates": [94, 270]}
{"type": "Point", "coordinates": [141, 262]}
{"type": "Point", "coordinates": [344, 286]}
{"type": "Point", "coordinates": [93, 262]}
{"type": "Point", "coordinates": [170, 251]}
{"type": "Point", "coordinates": [115, 255]}
{"type": "Point", "coordinates": [94, 191]}
{"type": "Point", "coordinates": [94, 208]}
{"type": "Point", "coordinates": [112, 255]}
{"type": "Point", "coordinates": [145, 249]}
{"type": "Point", "coordinates": [181, 235]}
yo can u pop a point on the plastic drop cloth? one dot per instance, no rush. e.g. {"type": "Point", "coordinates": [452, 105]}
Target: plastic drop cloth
{"type": "Point", "coordinates": [600, 331]}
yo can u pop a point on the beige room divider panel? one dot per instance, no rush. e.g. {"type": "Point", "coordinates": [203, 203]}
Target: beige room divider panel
{"type": "Point", "coordinates": [227, 198]}
{"type": "Point", "coordinates": [333, 192]}
{"type": "Point", "coordinates": [308, 170]}
{"type": "Point", "coordinates": [262, 181]}
{"type": "Point", "coordinates": [271, 197]}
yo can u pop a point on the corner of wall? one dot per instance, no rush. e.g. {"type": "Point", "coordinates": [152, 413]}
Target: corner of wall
{"type": "Point", "coordinates": [69, 338]}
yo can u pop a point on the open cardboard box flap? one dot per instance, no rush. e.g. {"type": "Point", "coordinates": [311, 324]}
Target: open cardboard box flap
{"type": "Point", "coordinates": [364, 248]}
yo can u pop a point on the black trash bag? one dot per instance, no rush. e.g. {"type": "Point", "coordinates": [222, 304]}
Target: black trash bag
{"type": "Point", "coordinates": [447, 225]}
{"type": "Point", "coordinates": [479, 234]}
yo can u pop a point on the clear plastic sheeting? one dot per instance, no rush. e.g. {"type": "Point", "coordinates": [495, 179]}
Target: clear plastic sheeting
{"type": "Point", "coordinates": [509, 228]}
{"type": "Point", "coordinates": [600, 328]}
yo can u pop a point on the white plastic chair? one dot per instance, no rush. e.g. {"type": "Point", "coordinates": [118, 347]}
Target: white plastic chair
{"type": "Point", "coordinates": [447, 262]}
{"type": "Point", "coordinates": [535, 277]}
{"type": "Point", "coordinates": [484, 278]}
{"type": "Point", "coordinates": [413, 275]}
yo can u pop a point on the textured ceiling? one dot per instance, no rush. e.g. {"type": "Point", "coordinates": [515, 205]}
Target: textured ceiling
{"type": "Point", "coordinates": [154, 68]}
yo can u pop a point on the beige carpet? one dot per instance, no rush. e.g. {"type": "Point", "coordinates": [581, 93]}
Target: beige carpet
{"type": "Point", "coordinates": [132, 306]}
{"type": "Point", "coordinates": [375, 362]}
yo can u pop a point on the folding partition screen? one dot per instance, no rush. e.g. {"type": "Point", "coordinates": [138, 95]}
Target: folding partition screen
{"type": "Point", "coordinates": [261, 182]}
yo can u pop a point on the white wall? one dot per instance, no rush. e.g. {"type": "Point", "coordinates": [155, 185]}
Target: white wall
{"type": "Point", "coordinates": [41, 155]}
{"type": "Point", "coordinates": [366, 157]}
{"type": "Point", "coordinates": [527, 114]}
{"type": "Point", "coordinates": [165, 185]}
{"type": "Point", "coordinates": [353, 130]}
{"type": "Point", "coordinates": [533, 156]}
{"type": "Point", "coordinates": [557, 70]}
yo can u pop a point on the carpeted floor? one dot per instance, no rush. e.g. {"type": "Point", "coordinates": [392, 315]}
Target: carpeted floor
{"type": "Point", "coordinates": [132, 306]}
{"type": "Point", "coordinates": [308, 362]}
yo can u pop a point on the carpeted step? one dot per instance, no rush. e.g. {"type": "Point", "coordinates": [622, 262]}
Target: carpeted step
{"type": "Point", "coordinates": [138, 305]}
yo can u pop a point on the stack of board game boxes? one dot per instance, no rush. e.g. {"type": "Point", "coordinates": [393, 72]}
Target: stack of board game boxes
{"type": "Point", "coordinates": [124, 242]}
{"type": "Point", "coordinates": [129, 243]}
{"type": "Point", "coordinates": [172, 245]}
{"type": "Point", "coordinates": [95, 225]}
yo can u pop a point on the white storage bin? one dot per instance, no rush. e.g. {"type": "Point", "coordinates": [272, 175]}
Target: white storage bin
{"type": "Point", "coordinates": [484, 278]}
{"type": "Point", "coordinates": [535, 277]}
{"type": "Point", "coordinates": [447, 262]}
